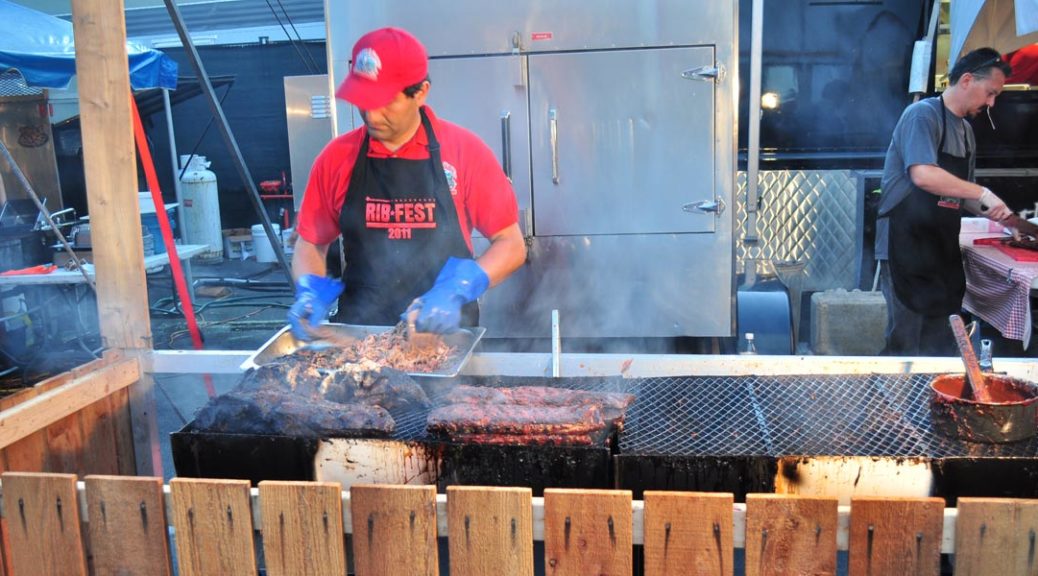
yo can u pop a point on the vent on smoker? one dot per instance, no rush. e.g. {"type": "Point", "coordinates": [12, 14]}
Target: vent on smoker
{"type": "Point", "coordinates": [879, 415]}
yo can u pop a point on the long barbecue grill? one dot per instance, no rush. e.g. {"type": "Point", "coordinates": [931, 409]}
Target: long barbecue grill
{"type": "Point", "coordinates": [831, 433]}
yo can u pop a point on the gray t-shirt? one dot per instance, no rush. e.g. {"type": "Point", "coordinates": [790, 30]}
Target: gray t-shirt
{"type": "Point", "coordinates": [915, 142]}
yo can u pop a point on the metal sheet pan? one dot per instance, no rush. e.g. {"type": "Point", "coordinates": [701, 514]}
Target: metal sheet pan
{"type": "Point", "coordinates": [283, 342]}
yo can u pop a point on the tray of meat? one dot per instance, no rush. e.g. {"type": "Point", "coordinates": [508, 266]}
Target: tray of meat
{"type": "Point", "coordinates": [384, 345]}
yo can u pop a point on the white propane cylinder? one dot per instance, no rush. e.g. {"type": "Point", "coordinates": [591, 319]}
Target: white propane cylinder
{"type": "Point", "coordinates": [201, 203]}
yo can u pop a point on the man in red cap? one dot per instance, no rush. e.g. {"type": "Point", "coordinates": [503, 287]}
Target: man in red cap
{"type": "Point", "coordinates": [405, 192]}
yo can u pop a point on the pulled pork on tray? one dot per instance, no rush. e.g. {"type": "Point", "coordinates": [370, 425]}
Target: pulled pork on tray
{"type": "Point", "coordinates": [390, 348]}
{"type": "Point", "coordinates": [528, 415]}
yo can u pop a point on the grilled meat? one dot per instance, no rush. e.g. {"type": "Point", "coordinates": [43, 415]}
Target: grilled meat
{"type": "Point", "coordinates": [301, 378]}
{"type": "Point", "coordinates": [528, 415]}
{"type": "Point", "coordinates": [282, 413]}
{"type": "Point", "coordinates": [612, 404]}
{"type": "Point", "coordinates": [530, 439]}
{"type": "Point", "coordinates": [294, 397]}
{"type": "Point", "coordinates": [369, 383]}
{"type": "Point", "coordinates": [456, 419]}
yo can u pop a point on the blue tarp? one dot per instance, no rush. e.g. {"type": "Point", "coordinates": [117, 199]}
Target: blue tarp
{"type": "Point", "coordinates": [41, 47]}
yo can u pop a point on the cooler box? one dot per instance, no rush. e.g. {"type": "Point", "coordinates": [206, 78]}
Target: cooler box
{"type": "Point", "coordinates": [150, 220]}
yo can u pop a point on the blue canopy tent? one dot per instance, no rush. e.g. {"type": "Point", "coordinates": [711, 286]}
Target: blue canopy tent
{"type": "Point", "coordinates": [41, 47]}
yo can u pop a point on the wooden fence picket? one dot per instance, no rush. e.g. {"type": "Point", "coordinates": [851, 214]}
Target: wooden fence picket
{"type": "Point", "coordinates": [302, 528]}
{"type": "Point", "coordinates": [790, 534]}
{"type": "Point", "coordinates": [587, 532]}
{"type": "Point", "coordinates": [212, 521]}
{"type": "Point", "coordinates": [895, 536]}
{"type": "Point", "coordinates": [688, 533]}
{"type": "Point", "coordinates": [128, 528]}
{"type": "Point", "coordinates": [996, 536]}
{"type": "Point", "coordinates": [43, 522]}
{"type": "Point", "coordinates": [394, 530]}
{"type": "Point", "coordinates": [491, 531]}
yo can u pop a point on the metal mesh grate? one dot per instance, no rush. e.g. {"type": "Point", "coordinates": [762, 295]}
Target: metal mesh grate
{"type": "Point", "coordinates": [710, 415]}
{"type": "Point", "coordinates": [842, 415]}
{"type": "Point", "coordinates": [836, 415]}
{"type": "Point", "coordinates": [12, 84]}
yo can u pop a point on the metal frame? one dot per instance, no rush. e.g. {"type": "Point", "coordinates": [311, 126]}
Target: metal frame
{"type": "Point", "coordinates": [628, 365]}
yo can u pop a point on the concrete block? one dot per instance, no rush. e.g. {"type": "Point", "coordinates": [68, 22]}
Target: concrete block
{"type": "Point", "coordinates": [848, 323]}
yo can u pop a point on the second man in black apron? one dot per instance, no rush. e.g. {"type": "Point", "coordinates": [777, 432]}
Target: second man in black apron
{"type": "Point", "coordinates": [927, 180]}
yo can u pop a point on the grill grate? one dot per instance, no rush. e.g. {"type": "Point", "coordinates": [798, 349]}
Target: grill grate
{"type": "Point", "coordinates": [839, 415]}
{"type": "Point", "coordinates": [709, 415]}
{"type": "Point", "coordinates": [835, 415]}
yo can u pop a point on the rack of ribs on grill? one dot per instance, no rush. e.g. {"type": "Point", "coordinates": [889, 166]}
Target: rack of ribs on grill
{"type": "Point", "coordinates": [528, 415]}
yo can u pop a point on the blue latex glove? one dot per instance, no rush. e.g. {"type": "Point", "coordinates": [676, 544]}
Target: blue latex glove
{"type": "Point", "coordinates": [314, 297]}
{"type": "Point", "coordinates": [439, 310]}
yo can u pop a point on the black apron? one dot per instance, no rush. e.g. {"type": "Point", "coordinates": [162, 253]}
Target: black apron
{"type": "Point", "coordinates": [925, 260]}
{"type": "Point", "coordinates": [399, 226]}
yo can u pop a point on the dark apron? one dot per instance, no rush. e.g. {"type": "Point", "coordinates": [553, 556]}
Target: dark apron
{"type": "Point", "coordinates": [399, 226]}
{"type": "Point", "coordinates": [925, 259]}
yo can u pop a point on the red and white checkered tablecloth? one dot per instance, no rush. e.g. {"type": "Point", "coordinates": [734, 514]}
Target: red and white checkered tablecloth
{"type": "Point", "coordinates": [998, 288]}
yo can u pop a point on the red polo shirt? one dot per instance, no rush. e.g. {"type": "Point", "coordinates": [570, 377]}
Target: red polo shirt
{"type": "Point", "coordinates": [483, 196]}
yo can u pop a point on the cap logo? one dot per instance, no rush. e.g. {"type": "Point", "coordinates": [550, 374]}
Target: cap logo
{"type": "Point", "coordinates": [367, 64]}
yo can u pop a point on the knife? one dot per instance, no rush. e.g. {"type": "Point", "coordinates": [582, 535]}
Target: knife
{"type": "Point", "coordinates": [1021, 225]}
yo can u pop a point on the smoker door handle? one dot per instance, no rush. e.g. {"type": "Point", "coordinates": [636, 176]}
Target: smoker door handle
{"type": "Point", "coordinates": [704, 73]}
{"type": "Point", "coordinates": [553, 128]}
{"type": "Point", "coordinates": [715, 206]}
{"type": "Point", "coordinates": [506, 143]}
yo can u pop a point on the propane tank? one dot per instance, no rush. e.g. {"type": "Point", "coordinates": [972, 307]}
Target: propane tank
{"type": "Point", "coordinates": [201, 203]}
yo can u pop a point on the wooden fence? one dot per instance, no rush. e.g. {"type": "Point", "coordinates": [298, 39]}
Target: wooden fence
{"type": "Point", "coordinates": [53, 525]}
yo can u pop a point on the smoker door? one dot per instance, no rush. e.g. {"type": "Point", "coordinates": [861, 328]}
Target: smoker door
{"type": "Point", "coordinates": [488, 96]}
{"type": "Point", "coordinates": [621, 141]}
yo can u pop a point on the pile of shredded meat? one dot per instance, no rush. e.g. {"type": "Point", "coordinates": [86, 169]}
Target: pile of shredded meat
{"type": "Point", "coordinates": [390, 348]}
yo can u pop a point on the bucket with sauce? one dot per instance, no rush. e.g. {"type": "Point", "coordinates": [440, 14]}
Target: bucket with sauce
{"type": "Point", "coordinates": [1010, 417]}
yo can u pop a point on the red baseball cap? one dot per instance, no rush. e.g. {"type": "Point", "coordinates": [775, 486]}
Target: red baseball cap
{"type": "Point", "coordinates": [385, 61]}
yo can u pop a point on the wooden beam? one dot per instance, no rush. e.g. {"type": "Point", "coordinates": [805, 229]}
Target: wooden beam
{"type": "Point", "coordinates": [69, 398]}
{"type": "Point", "coordinates": [110, 168]}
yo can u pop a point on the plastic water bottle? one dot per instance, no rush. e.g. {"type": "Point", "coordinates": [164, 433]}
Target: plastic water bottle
{"type": "Point", "coordinates": [985, 362]}
{"type": "Point", "coordinates": [748, 345]}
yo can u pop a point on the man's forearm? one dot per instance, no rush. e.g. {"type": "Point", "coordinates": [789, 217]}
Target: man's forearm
{"type": "Point", "coordinates": [506, 254]}
{"type": "Point", "coordinates": [940, 182]}
{"type": "Point", "coordinates": [308, 258]}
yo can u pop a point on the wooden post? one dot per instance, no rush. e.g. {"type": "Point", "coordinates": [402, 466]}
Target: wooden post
{"type": "Point", "coordinates": [110, 169]}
